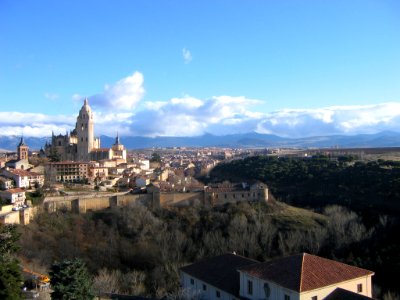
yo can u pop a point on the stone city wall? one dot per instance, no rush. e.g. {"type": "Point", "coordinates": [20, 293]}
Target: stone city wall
{"type": "Point", "coordinates": [181, 199]}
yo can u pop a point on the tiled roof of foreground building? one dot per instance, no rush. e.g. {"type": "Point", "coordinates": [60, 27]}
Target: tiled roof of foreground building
{"type": "Point", "coordinates": [341, 294]}
{"type": "Point", "coordinates": [304, 272]}
{"type": "Point", "coordinates": [220, 271]}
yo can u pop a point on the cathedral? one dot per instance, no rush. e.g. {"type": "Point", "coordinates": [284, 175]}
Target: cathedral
{"type": "Point", "coordinates": [80, 143]}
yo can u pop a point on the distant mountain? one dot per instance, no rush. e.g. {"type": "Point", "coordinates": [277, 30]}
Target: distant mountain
{"type": "Point", "coordinates": [10, 143]}
{"type": "Point", "coordinates": [252, 140]}
{"type": "Point", "coordinates": [246, 140]}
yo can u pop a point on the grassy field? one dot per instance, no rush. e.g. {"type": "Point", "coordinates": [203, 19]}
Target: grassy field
{"type": "Point", "coordinates": [288, 216]}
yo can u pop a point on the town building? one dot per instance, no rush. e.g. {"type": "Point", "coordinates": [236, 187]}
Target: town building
{"type": "Point", "coordinates": [227, 192]}
{"type": "Point", "coordinates": [22, 157]}
{"type": "Point", "coordinates": [68, 171]}
{"type": "Point", "coordinates": [6, 183]}
{"type": "Point", "coordinates": [23, 178]}
{"type": "Point", "coordinates": [298, 277]}
{"type": "Point", "coordinates": [16, 197]}
{"type": "Point", "coordinates": [80, 144]}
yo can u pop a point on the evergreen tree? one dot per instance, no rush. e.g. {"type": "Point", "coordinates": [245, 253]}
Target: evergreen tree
{"type": "Point", "coordinates": [155, 157]}
{"type": "Point", "coordinates": [54, 156]}
{"type": "Point", "coordinates": [70, 280]}
{"type": "Point", "coordinates": [10, 271]}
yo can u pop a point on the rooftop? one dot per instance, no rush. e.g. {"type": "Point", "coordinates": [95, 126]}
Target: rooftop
{"type": "Point", "coordinates": [341, 294]}
{"type": "Point", "coordinates": [21, 172]}
{"type": "Point", "coordinates": [304, 272]}
{"type": "Point", "coordinates": [14, 191]}
{"type": "Point", "coordinates": [220, 271]}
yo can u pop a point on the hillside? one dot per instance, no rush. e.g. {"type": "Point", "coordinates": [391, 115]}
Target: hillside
{"type": "Point", "coordinates": [371, 189]}
{"type": "Point", "coordinates": [147, 247]}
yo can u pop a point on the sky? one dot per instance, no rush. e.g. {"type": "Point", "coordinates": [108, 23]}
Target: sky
{"type": "Point", "coordinates": [293, 68]}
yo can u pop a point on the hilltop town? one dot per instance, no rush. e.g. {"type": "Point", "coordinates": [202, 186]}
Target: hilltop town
{"type": "Point", "coordinates": [74, 167]}
{"type": "Point", "coordinates": [73, 176]}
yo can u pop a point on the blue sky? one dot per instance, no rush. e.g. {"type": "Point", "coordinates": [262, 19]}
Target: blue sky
{"type": "Point", "coordinates": [293, 68]}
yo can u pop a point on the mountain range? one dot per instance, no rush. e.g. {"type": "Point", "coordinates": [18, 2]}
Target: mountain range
{"type": "Point", "coordinates": [245, 140]}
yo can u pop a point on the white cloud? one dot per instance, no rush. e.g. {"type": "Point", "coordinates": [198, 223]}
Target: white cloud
{"type": "Point", "coordinates": [189, 116]}
{"type": "Point", "coordinates": [51, 96]}
{"type": "Point", "coordinates": [187, 56]}
{"type": "Point", "coordinates": [77, 97]}
{"type": "Point", "coordinates": [124, 95]}
{"type": "Point", "coordinates": [332, 120]}
{"type": "Point", "coordinates": [33, 124]}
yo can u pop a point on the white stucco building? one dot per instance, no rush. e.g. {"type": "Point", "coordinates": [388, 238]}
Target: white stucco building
{"type": "Point", "coordinates": [297, 277]}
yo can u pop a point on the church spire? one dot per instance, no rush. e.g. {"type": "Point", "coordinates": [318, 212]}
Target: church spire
{"type": "Point", "coordinates": [86, 102]}
{"type": "Point", "coordinates": [117, 139]}
{"type": "Point", "coordinates": [22, 143]}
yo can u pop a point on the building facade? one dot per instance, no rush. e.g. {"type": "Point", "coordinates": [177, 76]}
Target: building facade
{"type": "Point", "coordinates": [69, 171]}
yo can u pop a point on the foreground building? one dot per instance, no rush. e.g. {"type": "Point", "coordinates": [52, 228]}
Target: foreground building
{"type": "Point", "coordinates": [297, 277]}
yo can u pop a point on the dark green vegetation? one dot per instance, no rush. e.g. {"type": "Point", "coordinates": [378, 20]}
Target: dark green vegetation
{"type": "Point", "coordinates": [10, 271]}
{"type": "Point", "coordinates": [70, 280]}
{"type": "Point", "coordinates": [370, 189]}
{"type": "Point", "coordinates": [135, 250]}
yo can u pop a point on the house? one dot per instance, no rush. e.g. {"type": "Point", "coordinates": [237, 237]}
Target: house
{"type": "Point", "coordinates": [23, 178]}
{"type": "Point", "coordinates": [297, 277]}
{"type": "Point", "coordinates": [13, 196]}
{"type": "Point", "coordinates": [6, 183]}
{"type": "Point", "coordinates": [142, 181]}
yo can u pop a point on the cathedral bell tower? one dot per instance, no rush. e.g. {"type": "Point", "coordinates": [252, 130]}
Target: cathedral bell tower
{"type": "Point", "coordinates": [85, 132]}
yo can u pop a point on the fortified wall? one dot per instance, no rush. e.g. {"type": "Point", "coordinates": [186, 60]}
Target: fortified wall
{"type": "Point", "coordinates": [93, 203]}
{"type": "Point", "coordinates": [211, 196]}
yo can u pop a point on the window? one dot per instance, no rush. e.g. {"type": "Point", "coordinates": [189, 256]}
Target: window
{"type": "Point", "coordinates": [218, 294]}
{"type": "Point", "coordinates": [250, 287]}
{"type": "Point", "coordinates": [287, 297]}
{"type": "Point", "coordinates": [204, 287]}
{"type": "Point", "coordinates": [314, 298]}
{"type": "Point", "coordinates": [191, 281]}
{"type": "Point", "coordinates": [359, 288]}
{"type": "Point", "coordinates": [225, 196]}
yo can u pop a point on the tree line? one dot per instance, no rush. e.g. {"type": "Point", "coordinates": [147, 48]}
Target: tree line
{"type": "Point", "coordinates": [370, 189]}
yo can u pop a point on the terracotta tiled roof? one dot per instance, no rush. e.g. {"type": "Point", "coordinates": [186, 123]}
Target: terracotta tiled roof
{"type": "Point", "coordinates": [220, 271]}
{"type": "Point", "coordinates": [21, 172]}
{"type": "Point", "coordinates": [304, 272]}
{"type": "Point", "coordinates": [14, 191]}
{"type": "Point", "coordinates": [341, 294]}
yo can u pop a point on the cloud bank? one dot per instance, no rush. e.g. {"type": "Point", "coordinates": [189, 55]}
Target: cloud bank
{"type": "Point", "coordinates": [117, 109]}
{"type": "Point", "coordinates": [188, 116]}
{"type": "Point", "coordinates": [125, 94]}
